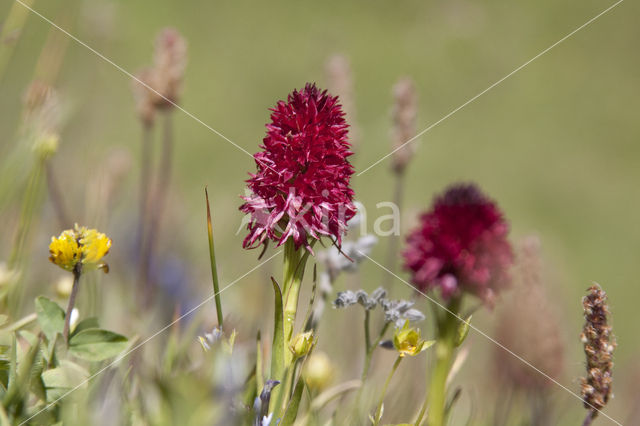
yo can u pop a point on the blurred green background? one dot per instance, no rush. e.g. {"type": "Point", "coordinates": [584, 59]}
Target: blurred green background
{"type": "Point", "coordinates": [556, 144]}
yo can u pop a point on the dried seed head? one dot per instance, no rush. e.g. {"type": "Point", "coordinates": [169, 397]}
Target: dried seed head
{"type": "Point", "coordinates": [37, 96]}
{"type": "Point", "coordinates": [340, 83]}
{"type": "Point", "coordinates": [170, 61]}
{"type": "Point", "coordinates": [599, 344]}
{"type": "Point", "coordinates": [405, 110]}
{"type": "Point", "coordinates": [42, 117]}
{"type": "Point", "coordinates": [529, 325]}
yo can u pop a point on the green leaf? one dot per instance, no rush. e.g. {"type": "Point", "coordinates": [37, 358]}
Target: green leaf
{"type": "Point", "coordinates": [463, 331]}
{"type": "Point", "coordinates": [58, 381]}
{"type": "Point", "coordinates": [50, 316]}
{"type": "Point", "coordinates": [294, 403]}
{"type": "Point", "coordinates": [91, 322]}
{"type": "Point", "coordinates": [277, 349]}
{"type": "Point", "coordinates": [259, 374]}
{"type": "Point", "coordinates": [3, 319]}
{"type": "Point", "coordinates": [95, 344]}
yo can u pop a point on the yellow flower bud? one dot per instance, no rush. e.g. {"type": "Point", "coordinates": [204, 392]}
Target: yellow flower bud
{"type": "Point", "coordinates": [80, 246]}
{"type": "Point", "coordinates": [302, 344]}
{"type": "Point", "coordinates": [407, 341]}
{"type": "Point", "coordinates": [46, 145]}
{"type": "Point", "coordinates": [318, 371]}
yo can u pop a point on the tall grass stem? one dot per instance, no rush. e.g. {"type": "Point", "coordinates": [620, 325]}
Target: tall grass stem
{"type": "Point", "coordinates": [212, 259]}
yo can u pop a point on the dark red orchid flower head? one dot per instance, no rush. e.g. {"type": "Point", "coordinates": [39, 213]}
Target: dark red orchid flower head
{"type": "Point", "coordinates": [460, 245]}
{"type": "Point", "coordinates": [301, 188]}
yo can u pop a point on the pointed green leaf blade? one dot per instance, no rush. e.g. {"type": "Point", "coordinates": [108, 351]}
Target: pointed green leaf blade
{"type": "Point", "coordinates": [463, 331]}
{"type": "Point", "coordinates": [277, 350]}
{"type": "Point", "coordinates": [294, 404]}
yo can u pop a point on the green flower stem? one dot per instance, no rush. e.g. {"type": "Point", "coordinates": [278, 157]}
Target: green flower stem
{"type": "Point", "coordinates": [294, 263]}
{"type": "Point", "coordinates": [368, 355]}
{"type": "Point", "coordinates": [55, 195]}
{"type": "Point", "coordinates": [367, 338]}
{"type": "Point", "coordinates": [447, 325]}
{"type": "Point", "coordinates": [212, 258]}
{"type": "Point", "coordinates": [394, 238]}
{"type": "Point", "coordinates": [144, 191]}
{"type": "Point", "coordinates": [77, 271]}
{"type": "Point", "coordinates": [159, 195]}
{"type": "Point", "coordinates": [384, 391]}
{"type": "Point", "coordinates": [370, 350]}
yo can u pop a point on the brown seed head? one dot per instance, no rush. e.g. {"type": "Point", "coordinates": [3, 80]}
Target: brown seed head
{"type": "Point", "coordinates": [599, 344]}
{"type": "Point", "coordinates": [170, 61]}
{"type": "Point", "coordinates": [404, 112]}
{"type": "Point", "coordinates": [145, 98]}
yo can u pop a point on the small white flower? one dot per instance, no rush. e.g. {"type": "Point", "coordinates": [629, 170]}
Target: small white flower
{"type": "Point", "coordinates": [266, 420]}
{"type": "Point", "coordinates": [73, 319]}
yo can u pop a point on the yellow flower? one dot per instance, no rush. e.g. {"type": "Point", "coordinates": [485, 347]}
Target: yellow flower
{"type": "Point", "coordinates": [302, 344]}
{"type": "Point", "coordinates": [81, 246]}
{"type": "Point", "coordinates": [407, 341]}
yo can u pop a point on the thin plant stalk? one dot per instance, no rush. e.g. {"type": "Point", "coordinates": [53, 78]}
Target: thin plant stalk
{"type": "Point", "coordinates": [145, 177]}
{"type": "Point", "coordinates": [368, 355]}
{"type": "Point", "coordinates": [212, 259]}
{"type": "Point", "coordinates": [159, 197]}
{"type": "Point", "coordinates": [56, 197]}
{"type": "Point", "coordinates": [447, 326]}
{"type": "Point", "coordinates": [384, 391]}
{"type": "Point", "coordinates": [372, 347]}
{"type": "Point", "coordinates": [77, 271]}
{"type": "Point", "coordinates": [392, 254]}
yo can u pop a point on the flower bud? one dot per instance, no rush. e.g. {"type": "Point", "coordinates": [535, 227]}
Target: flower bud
{"type": "Point", "coordinates": [302, 344]}
{"type": "Point", "coordinates": [46, 145]}
{"type": "Point", "coordinates": [318, 371]}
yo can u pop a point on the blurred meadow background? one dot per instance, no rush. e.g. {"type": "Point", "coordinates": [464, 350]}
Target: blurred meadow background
{"type": "Point", "coordinates": [556, 145]}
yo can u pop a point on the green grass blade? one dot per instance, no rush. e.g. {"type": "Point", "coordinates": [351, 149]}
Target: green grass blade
{"type": "Point", "coordinates": [214, 267]}
{"type": "Point", "coordinates": [294, 404]}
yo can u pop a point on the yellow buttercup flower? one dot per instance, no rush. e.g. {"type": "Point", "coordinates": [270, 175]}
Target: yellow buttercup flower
{"type": "Point", "coordinates": [407, 341]}
{"type": "Point", "coordinates": [81, 246]}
